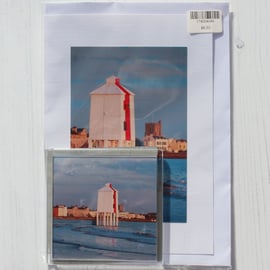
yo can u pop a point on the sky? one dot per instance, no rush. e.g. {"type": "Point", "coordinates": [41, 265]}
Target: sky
{"type": "Point", "coordinates": [157, 76]}
{"type": "Point", "coordinates": [77, 180]}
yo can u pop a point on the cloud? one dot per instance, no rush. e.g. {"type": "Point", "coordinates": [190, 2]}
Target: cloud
{"type": "Point", "coordinates": [147, 68]}
{"type": "Point", "coordinates": [156, 84]}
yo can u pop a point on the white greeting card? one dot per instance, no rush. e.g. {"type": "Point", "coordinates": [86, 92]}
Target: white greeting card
{"type": "Point", "coordinates": [171, 84]}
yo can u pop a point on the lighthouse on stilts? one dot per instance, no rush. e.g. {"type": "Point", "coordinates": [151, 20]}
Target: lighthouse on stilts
{"type": "Point", "coordinates": [107, 206]}
{"type": "Point", "coordinates": [111, 121]}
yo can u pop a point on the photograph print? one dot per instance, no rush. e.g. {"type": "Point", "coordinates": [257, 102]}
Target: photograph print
{"type": "Point", "coordinates": [134, 97]}
{"type": "Point", "coordinates": [104, 208]}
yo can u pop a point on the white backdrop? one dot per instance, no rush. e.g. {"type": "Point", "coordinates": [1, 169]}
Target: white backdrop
{"type": "Point", "coordinates": [23, 219]}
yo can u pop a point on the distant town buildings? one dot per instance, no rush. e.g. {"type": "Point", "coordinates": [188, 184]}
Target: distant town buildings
{"type": "Point", "coordinates": [75, 211]}
{"type": "Point", "coordinates": [112, 120]}
{"type": "Point", "coordinates": [127, 215]}
{"type": "Point", "coordinates": [83, 212]}
{"type": "Point", "coordinates": [153, 137]}
{"type": "Point", "coordinates": [72, 211]}
{"type": "Point", "coordinates": [107, 206]}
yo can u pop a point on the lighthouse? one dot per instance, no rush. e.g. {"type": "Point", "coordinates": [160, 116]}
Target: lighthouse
{"type": "Point", "coordinates": [111, 120]}
{"type": "Point", "coordinates": [107, 206]}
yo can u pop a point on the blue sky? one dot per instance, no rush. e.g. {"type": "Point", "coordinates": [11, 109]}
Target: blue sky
{"type": "Point", "coordinates": [157, 76]}
{"type": "Point", "coordinates": [77, 180]}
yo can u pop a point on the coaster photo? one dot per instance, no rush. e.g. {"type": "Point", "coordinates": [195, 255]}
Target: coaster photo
{"type": "Point", "coordinates": [102, 207]}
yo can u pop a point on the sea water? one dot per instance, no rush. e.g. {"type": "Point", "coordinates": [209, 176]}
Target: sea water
{"type": "Point", "coordinates": [83, 240]}
{"type": "Point", "coordinates": [175, 190]}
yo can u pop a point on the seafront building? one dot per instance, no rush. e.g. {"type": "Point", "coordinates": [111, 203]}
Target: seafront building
{"type": "Point", "coordinates": [78, 138]}
{"type": "Point", "coordinates": [112, 119]}
{"type": "Point", "coordinates": [75, 211]}
{"type": "Point", "coordinates": [127, 215]}
{"type": "Point", "coordinates": [60, 211]}
{"type": "Point", "coordinates": [153, 138]}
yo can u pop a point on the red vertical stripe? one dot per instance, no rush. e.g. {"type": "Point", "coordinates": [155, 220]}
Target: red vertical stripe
{"type": "Point", "coordinates": [126, 108]}
{"type": "Point", "coordinates": [114, 199]}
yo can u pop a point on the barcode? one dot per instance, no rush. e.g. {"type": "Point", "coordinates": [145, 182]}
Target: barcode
{"type": "Point", "coordinates": [197, 15]}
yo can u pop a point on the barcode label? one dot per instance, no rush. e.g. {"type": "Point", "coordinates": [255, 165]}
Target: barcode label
{"type": "Point", "coordinates": [213, 14]}
{"type": "Point", "coordinates": [204, 21]}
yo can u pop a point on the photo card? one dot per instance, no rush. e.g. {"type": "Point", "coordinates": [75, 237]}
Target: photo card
{"type": "Point", "coordinates": [134, 97]}
{"type": "Point", "coordinates": [103, 205]}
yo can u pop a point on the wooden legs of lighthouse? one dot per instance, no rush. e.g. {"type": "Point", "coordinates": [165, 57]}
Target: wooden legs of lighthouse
{"type": "Point", "coordinates": [107, 219]}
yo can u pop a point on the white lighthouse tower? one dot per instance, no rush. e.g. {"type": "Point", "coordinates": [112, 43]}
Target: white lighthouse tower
{"type": "Point", "coordinates": [111, 121]}
{"type": "Point", "coordinates": [107, 206]}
